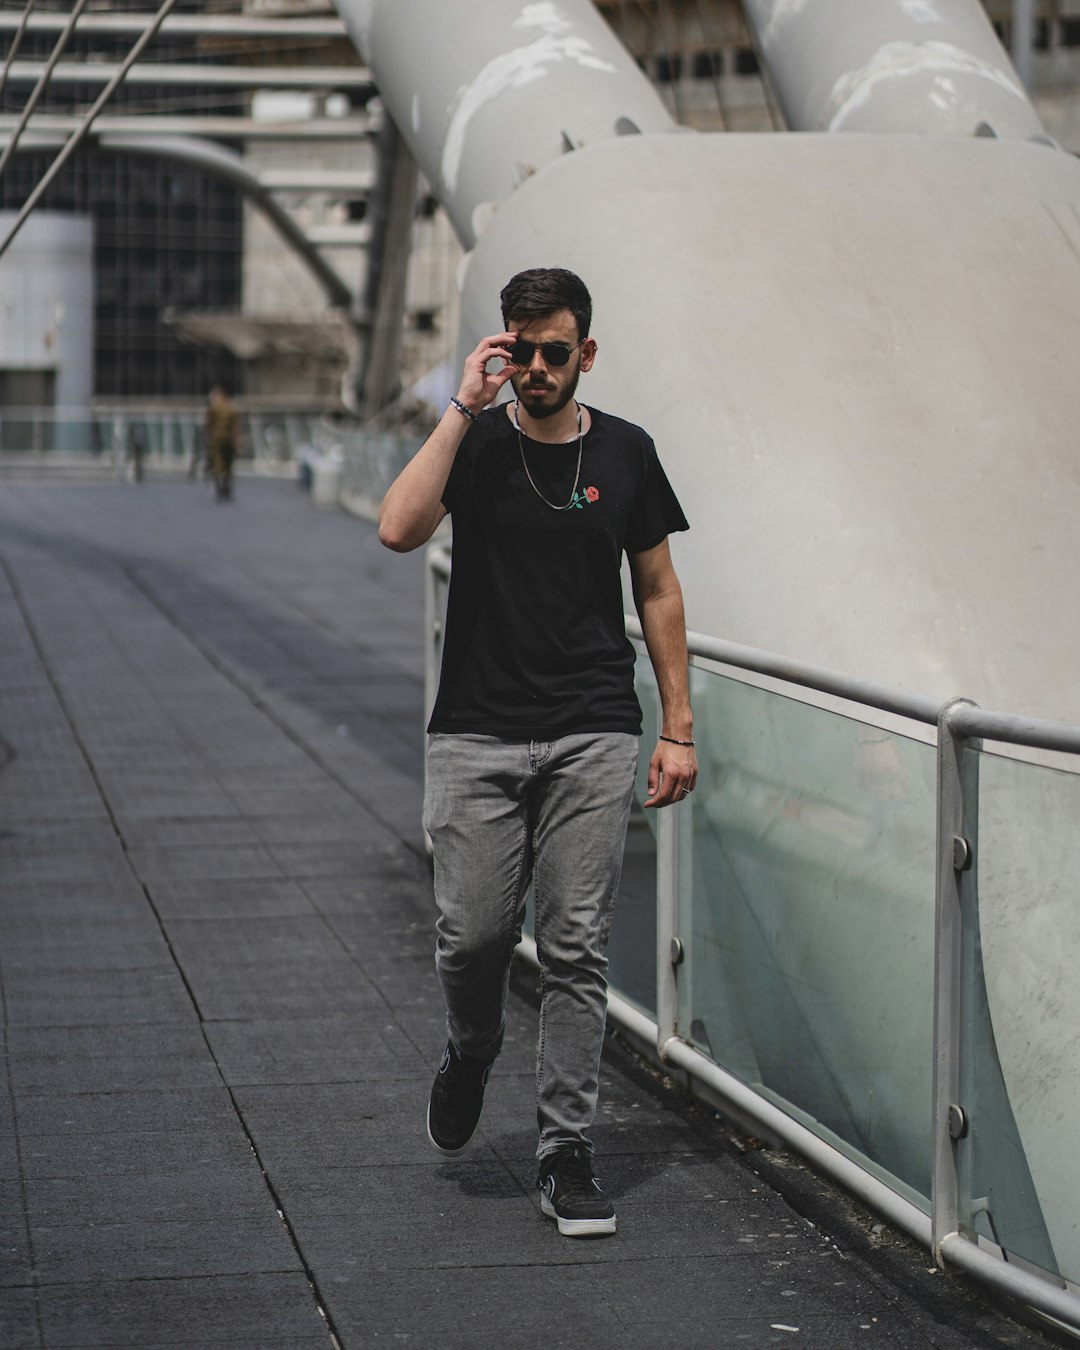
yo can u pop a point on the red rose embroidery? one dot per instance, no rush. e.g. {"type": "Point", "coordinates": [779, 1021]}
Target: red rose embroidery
{"type": "Point", "coordinates": [592, 493]}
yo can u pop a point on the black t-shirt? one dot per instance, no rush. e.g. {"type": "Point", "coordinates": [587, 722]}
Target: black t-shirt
{"type": "Point", "coordinates": [535, 645]}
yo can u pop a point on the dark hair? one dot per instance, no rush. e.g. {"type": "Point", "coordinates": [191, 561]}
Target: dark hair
{"type": "Point", "coordinates": [540, 291]}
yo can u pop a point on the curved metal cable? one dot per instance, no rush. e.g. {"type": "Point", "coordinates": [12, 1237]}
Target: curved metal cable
{"type": "Point", "coordinates": [43, 80]}
{"type": "Point", "coordinates": [77, 137]}
{"type": "Point", "coordinates": [673, 56]}
{"type": "Point", "coordinates": [16, 42]}
{"type": "Point", "coordinates": [712, 56]}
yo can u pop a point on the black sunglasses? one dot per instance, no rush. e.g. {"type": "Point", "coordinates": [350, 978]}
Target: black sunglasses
{"type": "Point", "coordinates": [554, 353]}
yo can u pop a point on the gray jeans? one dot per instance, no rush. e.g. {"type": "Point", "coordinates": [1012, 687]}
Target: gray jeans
{"type": "Point", "coordinates": [501, 814]}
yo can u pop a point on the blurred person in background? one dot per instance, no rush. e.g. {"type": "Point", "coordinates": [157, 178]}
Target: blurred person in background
{"type": "Point", "coordinates": [220, 434]}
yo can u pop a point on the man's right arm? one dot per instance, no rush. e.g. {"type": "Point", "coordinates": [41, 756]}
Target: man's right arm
{"type": "Point", "coordinates": [412, 508]}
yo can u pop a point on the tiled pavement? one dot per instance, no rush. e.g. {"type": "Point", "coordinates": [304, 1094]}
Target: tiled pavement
{"type": "Point", "coordinates": [220, 1012]}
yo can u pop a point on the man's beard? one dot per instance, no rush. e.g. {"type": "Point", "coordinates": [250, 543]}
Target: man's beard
{"type": "Point", "coordinates": [537, 410]}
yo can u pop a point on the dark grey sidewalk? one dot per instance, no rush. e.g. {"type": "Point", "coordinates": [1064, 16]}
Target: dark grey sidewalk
{"type": "Point", "coordinates": [220, 1010]}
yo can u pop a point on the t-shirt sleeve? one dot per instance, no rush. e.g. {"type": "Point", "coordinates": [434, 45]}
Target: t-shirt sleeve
{"type": "Point", "coordinates": [456, 491]}
{"type": "Point", "coordinates": [657, 512]}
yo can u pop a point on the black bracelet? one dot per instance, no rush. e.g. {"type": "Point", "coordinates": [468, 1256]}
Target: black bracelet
{"type": "Point", "coordinates": [672, 741]}
{"type": "Point", "coordinates": [465, 412]}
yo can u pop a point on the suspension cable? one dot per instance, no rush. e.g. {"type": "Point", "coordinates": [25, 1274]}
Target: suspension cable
{"type": "Point", "coordinates": [16, 42]}
{"type": "Point", "coordinates": [674, 58]}
{"type": "Point", "coordinates": [712, 56]}
{"type": "Point", "coordinates": [78, 136]}
{"type": "Point", "coordinates": [43, 80]}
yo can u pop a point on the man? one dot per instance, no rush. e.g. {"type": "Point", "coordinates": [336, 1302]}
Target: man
{"type": "Point", "coordinates": [220, 432]}
{"type": "Point", "coordinates": [533, 742]}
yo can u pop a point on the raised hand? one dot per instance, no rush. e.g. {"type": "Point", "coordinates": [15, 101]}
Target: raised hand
{"type": "Point", "coordinates": [479, 386]}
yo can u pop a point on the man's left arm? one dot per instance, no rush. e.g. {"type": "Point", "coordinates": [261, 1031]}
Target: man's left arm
{"type": "Point", "coordinates": [659, 601]}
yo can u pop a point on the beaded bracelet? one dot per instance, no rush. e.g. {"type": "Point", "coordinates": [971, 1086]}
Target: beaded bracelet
{"type": "Point", "coordinates": [672, 741]}
{"type": "Point", "coordinates": [465, 412]}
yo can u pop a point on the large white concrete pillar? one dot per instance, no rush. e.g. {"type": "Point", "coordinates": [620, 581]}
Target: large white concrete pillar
{"type": "Point", "coordinates": [927, 66]}
{"type": "Point", "coordinates": [485, 101]}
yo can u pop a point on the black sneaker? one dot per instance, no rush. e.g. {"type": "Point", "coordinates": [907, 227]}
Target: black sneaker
{"type": "Point", "coordinates": [572, 1196]}
{"type": "Point", "coordinates": [457, 1098]}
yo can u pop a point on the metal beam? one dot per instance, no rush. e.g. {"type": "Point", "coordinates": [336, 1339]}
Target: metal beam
{"type": "Point", "coordinates": [48, 128]}
{"type": "Point", "coordinates": [392, 209]}
{"type": "Point", "coordinates": [19, 29]}
{"type": "Point", "coordinates": [340, 236]}
{"type": "Point", "coordinates": [226, 164]}
{"type": "Point", "coordinates": [1023, 22]}
{"type": "Point", "coordinates": [166, 74]}
{"type": "Point", "coordinates": [317, 180]}
{"type": "Point", "coordinates": [223, 163]}
{"type": "Point", "coordinates": [200, 25]}
{"type": "Point", "coordinates": [45, 72]}
{"type": "Point", "coordinates": [339, 182]}
{"type": "Point", "coordinates": [75, 140]}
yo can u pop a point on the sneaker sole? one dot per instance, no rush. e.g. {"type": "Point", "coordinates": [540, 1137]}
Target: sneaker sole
{"type": "Point", "coordinates": [578, 1227]}
{"type": "Point", "coordinates": [441, 1148]}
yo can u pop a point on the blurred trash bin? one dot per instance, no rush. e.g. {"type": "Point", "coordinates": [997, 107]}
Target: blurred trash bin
{"type": "Point", "coordinates": [326, 474]}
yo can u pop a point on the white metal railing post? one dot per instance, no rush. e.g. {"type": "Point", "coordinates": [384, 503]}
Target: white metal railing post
{"type": "Point", "coordinates": [667, 918]}
{"type": "Point", "coordinates": [953, 858]}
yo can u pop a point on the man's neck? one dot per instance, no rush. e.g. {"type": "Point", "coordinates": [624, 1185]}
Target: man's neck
{"type": "Point", "coordinates": [561, 427]}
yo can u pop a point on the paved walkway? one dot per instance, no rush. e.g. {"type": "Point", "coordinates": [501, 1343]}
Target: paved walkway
{"type": "Point", "coordinates": [220, 1010]}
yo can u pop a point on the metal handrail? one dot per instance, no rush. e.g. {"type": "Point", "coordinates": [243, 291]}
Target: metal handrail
{"type": "Point", "coordinates": [981, 723]}
{"type": "Point", "coordinates": [804, 674]}
{"type": "Point", "coordinates": [959, 723]}
{"type": "Point", "coordinates": [968, 720]}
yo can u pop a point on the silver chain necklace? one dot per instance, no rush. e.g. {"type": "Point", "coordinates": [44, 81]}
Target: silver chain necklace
{"type": "Point", "coordinates": [525, 464]}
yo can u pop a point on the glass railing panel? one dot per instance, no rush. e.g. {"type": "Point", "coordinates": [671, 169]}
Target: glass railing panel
{"type": "Point", "coordinates": [1020, 1064]}
{"type": "Point", "coordinates": [110, 432]}
{"type": "Point", "coordinates": [20, 433]}
{"type": "Point", "coordinates": [374, 458]}
{"type": "Point", "coordinates": [72, 435]}
{"type": "Point", "coordinates": [268, 438]}
{"type": "Point", "coordinates": [807, 917]}
{"type": "Point", "coordinates": [188, 440]}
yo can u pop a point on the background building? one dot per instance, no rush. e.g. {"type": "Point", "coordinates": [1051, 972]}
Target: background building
{"type": "Point", "coordinates": [162, 235]}
{"type": "Point", "coordinates": [46, 313]}
{"type": "Point", "coordinates": [194, 284]}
